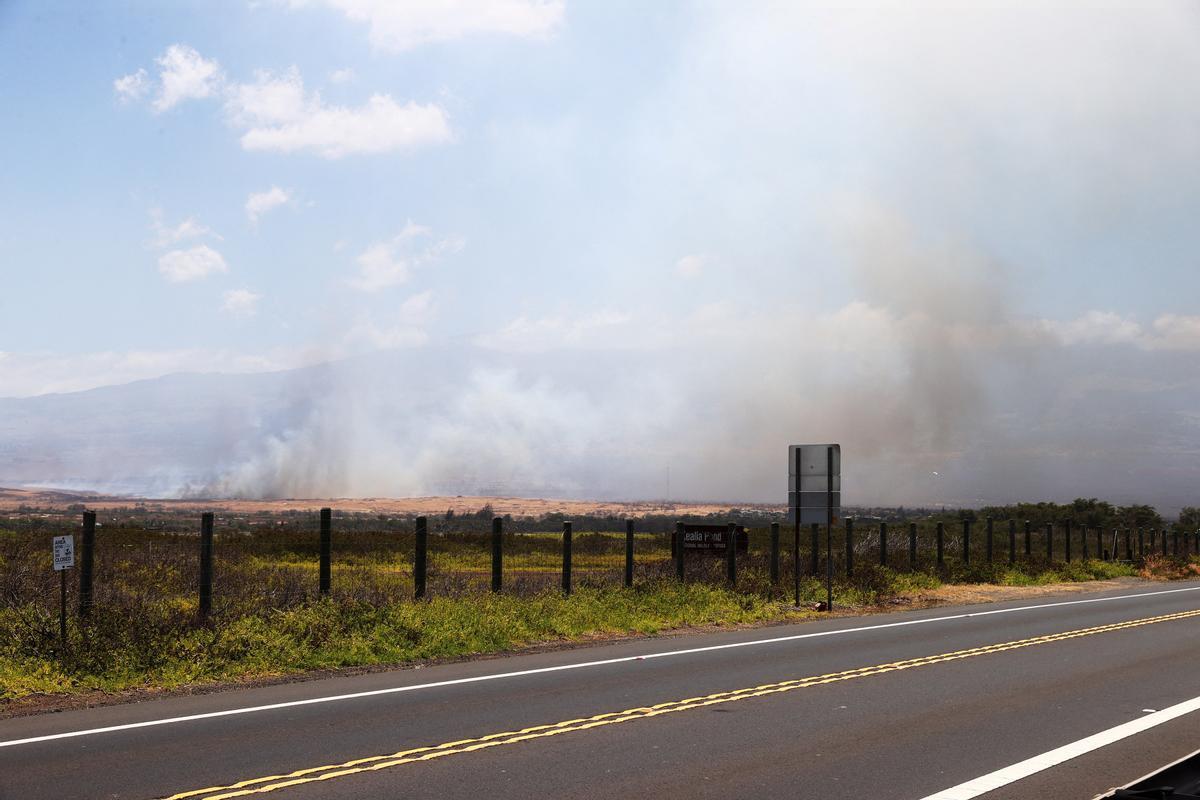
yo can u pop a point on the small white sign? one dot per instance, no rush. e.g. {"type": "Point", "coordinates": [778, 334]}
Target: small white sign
{"type": "Point", "coordinates": [64, 552]}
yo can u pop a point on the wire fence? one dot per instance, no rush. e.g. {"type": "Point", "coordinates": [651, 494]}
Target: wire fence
{"type": "Point", "coordinates": [155, 564]}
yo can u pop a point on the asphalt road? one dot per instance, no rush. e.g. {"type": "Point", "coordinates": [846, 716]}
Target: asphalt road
{"type": "Point", "coordinates": [905, 705]}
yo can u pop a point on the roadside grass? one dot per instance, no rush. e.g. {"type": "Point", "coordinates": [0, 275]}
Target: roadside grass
{"type": "Point", "coordinates": [163, 647]}
{"type": "Point", "coordinates": [269, 620]}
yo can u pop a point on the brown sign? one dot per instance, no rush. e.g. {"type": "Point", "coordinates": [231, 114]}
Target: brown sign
{"type": "Point", "coordinates": [712, 538]}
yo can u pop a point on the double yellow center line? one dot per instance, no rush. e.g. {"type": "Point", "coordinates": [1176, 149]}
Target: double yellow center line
{"type": "Point", "coordinates": [272, 783]}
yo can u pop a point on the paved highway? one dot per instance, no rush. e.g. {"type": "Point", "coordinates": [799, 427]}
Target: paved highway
{"type": "Point", "coordinates": [1096, 689]}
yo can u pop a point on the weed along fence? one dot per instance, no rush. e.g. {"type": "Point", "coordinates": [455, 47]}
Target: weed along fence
{"type": "Point", "coordinates": [184, 568]}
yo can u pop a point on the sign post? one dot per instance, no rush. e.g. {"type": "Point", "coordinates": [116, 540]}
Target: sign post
{"type": "Point", "coordinates": [829, 529]}
{"type": "Point", "coordinates": [64, 559]}
{"type": "Point", "coordinates": [814, 497]}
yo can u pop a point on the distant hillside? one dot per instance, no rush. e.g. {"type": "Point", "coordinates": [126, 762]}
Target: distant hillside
{"type": "Point", "coordinates": [149, 437]}
{"type": "Point", "coordinates": [428, 421]}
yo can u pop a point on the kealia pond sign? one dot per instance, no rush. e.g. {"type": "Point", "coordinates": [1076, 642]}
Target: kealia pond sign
{"type": "Point", "coordinates": [713, 538]}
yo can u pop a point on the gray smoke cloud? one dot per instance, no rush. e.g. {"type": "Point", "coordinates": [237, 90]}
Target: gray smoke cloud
{"type": "Point", "coordinates": [891, 314]}
{"type": "Point", "coordinates": [929, 373]}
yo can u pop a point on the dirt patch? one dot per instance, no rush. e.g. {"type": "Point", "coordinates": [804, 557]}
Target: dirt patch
{"type": "Point", "coordinates": [966, 593]}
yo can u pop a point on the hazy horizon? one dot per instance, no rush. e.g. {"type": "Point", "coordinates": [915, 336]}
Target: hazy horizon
{"type": "Point", "coordinates": [572, 247]}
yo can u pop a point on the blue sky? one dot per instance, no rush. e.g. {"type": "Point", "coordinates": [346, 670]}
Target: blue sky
{"type": "Point", "coordinates": [243, 186]}
{"type": "Point", "coordinates": [531, 119]}
{"type": "Point", "coordinates": [581, 160]}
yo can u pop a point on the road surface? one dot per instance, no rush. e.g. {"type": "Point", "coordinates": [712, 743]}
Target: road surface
{"type": "Point", "coordinates": [945, 703]}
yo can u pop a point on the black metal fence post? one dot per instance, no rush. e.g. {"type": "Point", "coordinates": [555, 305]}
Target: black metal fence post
{"type": "Point", "coordinates": [566, 554]}
{"type": "Point", "coordinates": [912, 545]}
{"type": "Point", "coordinates": [774, 553]}
{"type": "Point", "coordinates": [815, 535]}
{"type": "Point", "coordinates": [941, 545]}
{"type": "Point", "coordinates": [678, 548]}
{"type": "Point", "coordinates": [1067, 539]}
{"type": "Point", "coordinates": [87, 558]}
{"type": "Point", "coordinates": [1028, 538]}
{"type": "Point", "coordinates": [1174, 541]}
{"type": "Point", "coordinates": [421, 558]}
{"type": "Point", "coordinates": [1012, 541]}
{"type": "Point", "coordinates": [829, 554]}
{"type": "Point", "coordinates": [62, 608]}
{"type": "Point", "coordinates": [883, 544]}
{"type": "Point", "coordinates": [966, 541]}
{"type": "Point", "coordinates": [796, 557]}
{"type": "Point", "coordinates": [628, 553]}
{"type": "Point", "coordinates": [829, 531]}
{"type": "Point", "coordinates": [206, 571]}
{"type": "Point", "coordinates": [849, 546]}
{"type": "Point", "coordinates": [988, 549]}
{"type": "Point", "coordinates": [325, 569]}
{"type": "Point", "coordinates": [731, 554]}
{"type": "Point", "coordinates": [497, 554]}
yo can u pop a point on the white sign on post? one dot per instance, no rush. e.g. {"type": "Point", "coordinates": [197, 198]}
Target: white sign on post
{"type": "Point", "coordinates": [809, 483]}
{"type": "Point", "coordinates": [64, 552]}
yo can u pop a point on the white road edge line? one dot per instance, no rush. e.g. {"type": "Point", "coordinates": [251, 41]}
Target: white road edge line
{"type": "Point", "coordinates": [563, 667]}
{"type": "Point", "coordinates": [1030, 766]}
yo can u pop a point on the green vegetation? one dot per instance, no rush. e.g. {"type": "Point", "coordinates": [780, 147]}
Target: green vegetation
{"type": "Point", "coordinates": [163, 647]}
{"type": "Point", "coordinates": [268, 619]}
{"type": "Point", "coordinates": [166, 650]}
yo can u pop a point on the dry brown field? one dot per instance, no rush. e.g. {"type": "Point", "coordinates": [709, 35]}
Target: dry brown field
{"type": "Point", "coordinates": [12, 499]}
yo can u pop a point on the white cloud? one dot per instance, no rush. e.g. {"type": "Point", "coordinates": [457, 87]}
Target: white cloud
{"type": "Point", "coordinates": [1095, 327]}
{"type": "Point", "coordinates": [1178, 332]}
{"type": "Point", "coordinates": [259, 203]}
{"type": "Point", "coordinates": [390, 262]}
{"type": "Point", "coordinates": [418, 309]}
{"type": "Point", "coordinates": [403, 25]}
{"type": "Point", "coordinates": [240, 303]}
{"type": "Point", "coordinates": [602, 330]}
{"type": "Point", "coordinates": [691, 266]}
{"type": "Point", "coordinates": [165, 235]}
{"type": "Point", "coordinates": [408, 330]}
{"type": "Point", "coordinates": [275, 113]}
{"type": "Point", "coordinates": [133, 86]}
{"type": "Point", "coordinates": [192, 264]}
{"type": "Point", "coordinates": [344, 75]}
{"type": "Point", "coordinates": [279, 115]}
{"type": "Point", "coordinates": [183, 75]}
